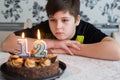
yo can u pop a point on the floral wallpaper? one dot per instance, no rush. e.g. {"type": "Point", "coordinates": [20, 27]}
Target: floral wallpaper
{"type": "Point", "coordinates": [94, 11]}
{"type": "Point", "coordinates": [22, 10]}
{"type": "Point", "coordinates": [101, 11]}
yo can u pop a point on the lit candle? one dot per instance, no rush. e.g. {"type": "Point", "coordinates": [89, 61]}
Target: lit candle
{"type": "Point", "coordinates": [40, 47]}
{"type": "Point", "coordinates": [24, 46]}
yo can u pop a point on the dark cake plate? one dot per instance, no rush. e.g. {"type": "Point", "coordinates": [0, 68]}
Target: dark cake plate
{"type": "Point", "coordinates": [62, 67]}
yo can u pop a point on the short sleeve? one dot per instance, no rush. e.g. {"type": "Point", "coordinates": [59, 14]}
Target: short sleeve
{"type": "Point", "coordinates": [93, 35]}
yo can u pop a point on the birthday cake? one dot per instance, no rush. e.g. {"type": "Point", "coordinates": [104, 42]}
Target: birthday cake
{"type": "Point", "coordinates": [31, 67]}
{"type": "Point", "coordinates": [36, 64]}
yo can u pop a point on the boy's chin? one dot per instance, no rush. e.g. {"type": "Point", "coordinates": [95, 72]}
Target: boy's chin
{"type": "Point", "coordinates": [61, 38]}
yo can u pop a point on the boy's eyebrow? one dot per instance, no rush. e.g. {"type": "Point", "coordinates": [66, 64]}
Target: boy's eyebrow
{"type": "Point", "coordinates": [61, 17]}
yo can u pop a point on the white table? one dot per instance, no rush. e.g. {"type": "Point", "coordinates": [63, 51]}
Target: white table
{"type": "Point", "coordinates": [81, 68]}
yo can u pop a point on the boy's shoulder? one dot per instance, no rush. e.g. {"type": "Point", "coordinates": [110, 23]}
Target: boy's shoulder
{"type": "Point", "coordinates": [43, 23]}
{"type": "Point", "coordinates": [82, 22]}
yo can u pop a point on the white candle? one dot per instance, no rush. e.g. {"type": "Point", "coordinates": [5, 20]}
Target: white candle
{"type": "Point", "coordinates": [40, 47]}
{"type": "Point", "coordinates": [24, 46]}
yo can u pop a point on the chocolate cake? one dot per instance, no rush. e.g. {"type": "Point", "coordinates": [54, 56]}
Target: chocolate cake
{"type": "Point", "coordinates": [31, 67]}
{"type": "Point", "coordinates": [36, 64]}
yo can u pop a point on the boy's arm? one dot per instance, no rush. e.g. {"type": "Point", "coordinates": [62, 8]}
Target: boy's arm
{"type": "Point", "coordinates": [108, 49]}
{"type": "Point", "coordinates": [10, 44]}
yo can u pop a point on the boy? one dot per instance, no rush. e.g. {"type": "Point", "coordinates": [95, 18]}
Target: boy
{"type": "Point", "coordinates": [64, 32]}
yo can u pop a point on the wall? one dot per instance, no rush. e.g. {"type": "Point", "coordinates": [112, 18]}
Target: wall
{"type": "Point", "coordinates": [94, 11]}
{"type": "Point", "coordinates": [100, 12]}
{"type": "Point", "coordinates": [21, 10]}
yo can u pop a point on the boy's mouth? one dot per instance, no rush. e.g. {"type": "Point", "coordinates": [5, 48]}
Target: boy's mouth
{"type": "Point", "coordinates": [59, 33]}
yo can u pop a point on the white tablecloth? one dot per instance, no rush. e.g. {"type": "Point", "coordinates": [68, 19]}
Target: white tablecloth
{"type": "Point", "coordinates": [81, 68]}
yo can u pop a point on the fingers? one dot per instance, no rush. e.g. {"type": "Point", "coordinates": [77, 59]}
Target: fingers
{"type": "Point", "coordinates": [55, 51]}
{"type": "Point", "coordinates": [74, 44]}
{"type": "Point", "coordinates": [65, 46]}
{"type": "Point", "coordinates": [62, 51]}
{"type": "Point", "coordinates": [68, 50]}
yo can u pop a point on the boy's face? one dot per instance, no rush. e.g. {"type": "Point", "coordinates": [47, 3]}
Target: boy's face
{"type": "Point", "coordinates": [63, 25]}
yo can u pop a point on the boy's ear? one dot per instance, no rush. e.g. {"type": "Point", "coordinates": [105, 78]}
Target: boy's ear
{"type": "Point", "coordinates": [78, 20]}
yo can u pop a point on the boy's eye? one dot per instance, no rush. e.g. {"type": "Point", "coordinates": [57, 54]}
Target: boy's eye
{"type": "Point", "coordinates": [65, 20]}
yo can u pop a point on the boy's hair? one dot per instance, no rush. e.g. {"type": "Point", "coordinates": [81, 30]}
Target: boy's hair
{"type": "Point", "coordinates": [73, 6]}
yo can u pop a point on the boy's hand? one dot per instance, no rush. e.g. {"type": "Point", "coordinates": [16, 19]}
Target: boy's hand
{"type": "Point", "coordinates": [65, 45]}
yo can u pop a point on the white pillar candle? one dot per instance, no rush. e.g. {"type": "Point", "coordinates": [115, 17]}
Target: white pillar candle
{"type": "Point", "coordinates": [24, 46]}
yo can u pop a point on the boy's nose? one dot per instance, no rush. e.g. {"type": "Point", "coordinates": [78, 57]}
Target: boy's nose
{"type": "Point", "coordinates": [59, 25]}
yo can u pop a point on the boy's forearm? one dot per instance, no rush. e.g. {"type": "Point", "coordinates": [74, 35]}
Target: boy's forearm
{"type": "Point", "coordinates": [102, 50]}
{"type": "Point", "coordinates": [50, 43]}
{"type": "Point", "coordinates": [10, 44]}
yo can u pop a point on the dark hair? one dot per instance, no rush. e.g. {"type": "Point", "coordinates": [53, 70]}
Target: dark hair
{"type": "Point", "coordinates": [73, 6]}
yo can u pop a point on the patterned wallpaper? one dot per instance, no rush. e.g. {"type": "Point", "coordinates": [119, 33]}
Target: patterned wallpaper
{"type": "Point", "coordinates": [94, 11]}
{"type": "Point", "coordinates": [101, 11]}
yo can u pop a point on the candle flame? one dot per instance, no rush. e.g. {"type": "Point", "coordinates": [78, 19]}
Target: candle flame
{"type": "Point", "coordinates": [23, 35]}
{"type": "Point", "coordinates": [38, 34]}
